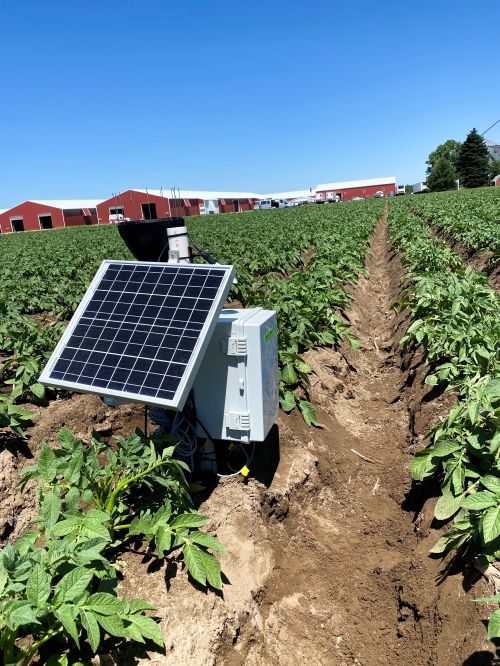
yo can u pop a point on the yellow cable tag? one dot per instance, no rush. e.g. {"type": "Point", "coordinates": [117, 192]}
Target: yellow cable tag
{"type": "Point", "coordinates": [244, 471]}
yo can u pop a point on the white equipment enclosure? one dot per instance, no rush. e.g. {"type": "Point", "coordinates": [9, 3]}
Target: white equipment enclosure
{"type": "Point", "coordinates": [236, 388]}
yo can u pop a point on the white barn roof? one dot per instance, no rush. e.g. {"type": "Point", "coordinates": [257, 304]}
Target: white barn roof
{"type": "Point", "coordinates": [67, 203]}
{"type": "Point", "coordinates": [199, 194]}
{"type": "Point", "coordinates": [348, 184]}
{"type": "Point", "coordinates": [294, 194]}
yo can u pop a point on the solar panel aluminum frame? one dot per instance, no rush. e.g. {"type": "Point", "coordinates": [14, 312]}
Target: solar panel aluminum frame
{"type": "Point", "coordinates": [188, 378]}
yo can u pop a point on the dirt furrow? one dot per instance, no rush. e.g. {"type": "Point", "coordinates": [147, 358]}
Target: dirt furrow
{"type": "Point", "coordinates": [352, 582]}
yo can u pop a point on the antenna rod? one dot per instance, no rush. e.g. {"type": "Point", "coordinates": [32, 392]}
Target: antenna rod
{"type": "Point", "coordinates": [490, 127]}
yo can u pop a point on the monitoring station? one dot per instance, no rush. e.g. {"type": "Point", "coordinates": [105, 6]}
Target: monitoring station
{"type": "Point", "coordinates": [156, 332]}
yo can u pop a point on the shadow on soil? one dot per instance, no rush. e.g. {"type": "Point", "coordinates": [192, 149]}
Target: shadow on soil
{"type": "Point", "coordinates": [483, 658]}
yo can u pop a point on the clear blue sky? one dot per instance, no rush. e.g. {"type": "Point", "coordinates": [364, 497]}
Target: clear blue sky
{"type": "Point", "coordinates": [101, 95]}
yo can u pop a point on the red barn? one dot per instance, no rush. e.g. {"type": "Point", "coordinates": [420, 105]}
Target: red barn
{"type": "Point", "coordinates": [37, 215]}
{"type": "Point", "coordinates": [355, 188]}
{"type": "Point", "coordinates": [152, 204]}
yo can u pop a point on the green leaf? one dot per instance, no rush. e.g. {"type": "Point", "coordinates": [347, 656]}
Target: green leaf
{"type": "Point", "coordinates": [47, 463]}
{"type": "Point", "coordinates": [490, 524]}
{"type": "Point", "coordinates": [104, 603]}
{"type": "Point", "coordinates": [98, 516]}
{"type": "Point", "coordinates": [447, 506]}
{"type": "Point", "coordinates": [66, 438]}
{"type": "Point", "coordinates": [72, 499]}
{"type": "Point", "coordinates": [288, 401]}
{"type": "Point", "coordinates": [25, 541]}
{"type": "Point", "coordinates": [73, 584]}
{"type": "Point", "coordinates": [163, 540]}
{"type": "Point", "coordinates": [208, 541]}
{"type": "Point", "coordinates": [212, 570]}
{"type": "Point", "coordinates": [431, 380]}
{"type": "Point", "coordinates": [91, 626]}
{"type": "Point", "coordinates": [195, 563]}
{"type": "Point", "coordinates": [20, 613]}
{"type": "Point", "coordinates": [50, 510]}
{"type": "Point", "coordinates": [112, 625]}
{"type": "Point", "coordinates": [137, 605]}
{"type": "Point", "coordinates": [492, 483]}
{"type": "Point", "coordinates": [492, 390]}
{"type": "Point", "coordinates": [72, 470]}
{"type": "Point", "coordinates": [67, 616]}
{"type": "Point", "coordinates": [480, 500]}
{"type": "Point", "coordinates": [4, 579]}
{"type": "Point", "coordinates": [134, 633]}
{"type": "Point", "coordinates": [354, 341]}
{"type": "Point", "coordinates": [148, 628]}
{"type": "Point", "coordinates": [473, 411]}
{"type": "Point", "coordinates": [494, 625]}
{"type": "Point", "coordinates": [288, 374]}
{"type": "Point", "coordinates": [65, 527]}
{"type": "Point", "coordinates": [92, 527]}
{"type": "Point", "coordinates": [308, 413]}
{"type": "Point", "coordinates": [189, 520]}
{"type": "Point", "coordinates": [443, 448]}
{"type": "Point", "coordinates": [421, 466]}
{"type": "Point", "coordinates": [38, 585]}
{"type": "Point", "coordinates": [441, 545]}
{"type": "Point", "coordinates": [38, 390]}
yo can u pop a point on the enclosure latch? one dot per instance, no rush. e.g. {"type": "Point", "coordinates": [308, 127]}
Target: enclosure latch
{"type": "Point", "coordinates": [237, 420]}
{"type": "Point", "coordinates": [234, 346]}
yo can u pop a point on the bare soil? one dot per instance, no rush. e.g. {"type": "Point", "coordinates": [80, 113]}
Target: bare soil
{"type": "Point", "coordinates": [327, 560]}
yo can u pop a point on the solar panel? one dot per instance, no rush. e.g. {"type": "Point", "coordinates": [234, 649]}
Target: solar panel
{"type": "Point", "coordinates": [140, 331]}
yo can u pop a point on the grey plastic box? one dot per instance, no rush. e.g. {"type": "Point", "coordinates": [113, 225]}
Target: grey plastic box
{"type": "Point", "coordinates": [236, 388]}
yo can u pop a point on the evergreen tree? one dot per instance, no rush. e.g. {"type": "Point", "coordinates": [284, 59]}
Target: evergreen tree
{"type": "Point", "coordinates": [473, 163]}
{"type": "Point", "coordinates": [442, 176]}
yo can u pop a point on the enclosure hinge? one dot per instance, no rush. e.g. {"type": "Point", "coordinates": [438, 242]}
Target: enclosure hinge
{"type": "Point", "coordinates": [234, 346]}
{"type": "Point", "coordinates": [237, 421]}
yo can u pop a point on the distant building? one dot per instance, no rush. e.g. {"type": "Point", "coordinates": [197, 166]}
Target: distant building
{"type": "Point", "coordinates": [37, 215]}
{"type": "Point", "coordinates": [346, 190]}
{"type": "Point", "coordinates": [140, 204]}
{"type": "Point", "coordinates": [493, 149]}
{"type": "Point", "coordinates": [291, 195]}
{"type": "Point", "coordinates": [496, 180]}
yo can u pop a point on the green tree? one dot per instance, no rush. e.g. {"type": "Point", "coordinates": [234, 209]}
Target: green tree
{"type": "Point", "coordinates": [473, 163]}
{"type": "Point", "coordinates": [448, 150]}
{"type": "Point", "coordinates": [442, 176]}
{"type": "Point", "coordinates": [494, 168]}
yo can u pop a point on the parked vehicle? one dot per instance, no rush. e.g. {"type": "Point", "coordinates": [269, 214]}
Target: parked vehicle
{"type": "Point", "coordinates": [378, 195]}
{"type": "Point", "coordinates": [419, 188]}
{"type": "Point", "coordinates": [267, 204]}
{"type": "Point", "coordinates": [401, 189]}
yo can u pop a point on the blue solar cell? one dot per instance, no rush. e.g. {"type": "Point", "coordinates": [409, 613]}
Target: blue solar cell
{"type": "Point", "coordinates": [140, 331]}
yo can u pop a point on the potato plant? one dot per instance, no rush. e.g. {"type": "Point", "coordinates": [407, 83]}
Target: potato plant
{"type": "Point", "coordinates": [456, 317]}
{"type": "Point", "coordinates": [58, 582]}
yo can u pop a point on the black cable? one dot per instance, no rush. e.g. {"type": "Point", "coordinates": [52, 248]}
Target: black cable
{"type": "Point", "coordinates": [145, 420]}
{"type": "Point", "coordinates": [201, 253]}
